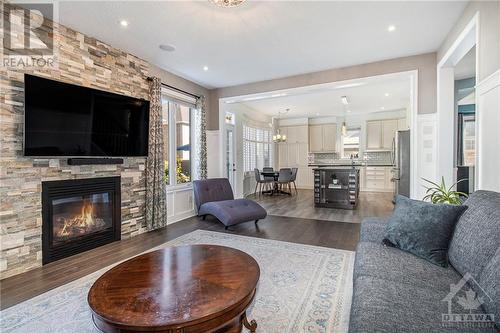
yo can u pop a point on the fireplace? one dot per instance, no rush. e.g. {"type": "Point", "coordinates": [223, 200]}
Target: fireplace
{"type": "Point", "coordinates": [79, 215]}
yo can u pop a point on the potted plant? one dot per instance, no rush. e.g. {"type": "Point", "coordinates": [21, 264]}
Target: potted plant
{"type": "Point", "coordinates": [440, 194]}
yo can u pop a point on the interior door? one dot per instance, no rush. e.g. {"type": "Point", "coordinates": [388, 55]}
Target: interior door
{"type": "Point", "coordinates": [230, 159]}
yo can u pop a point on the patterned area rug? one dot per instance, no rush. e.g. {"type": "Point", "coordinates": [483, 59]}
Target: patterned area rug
{"type": "Point", "coordinates": [302, 288]}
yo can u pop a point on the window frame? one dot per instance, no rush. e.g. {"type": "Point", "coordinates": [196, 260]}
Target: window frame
{"type": "Point", "coordinates": [270, 143]}
{"type": "Point", "coordinates": [172, 142]}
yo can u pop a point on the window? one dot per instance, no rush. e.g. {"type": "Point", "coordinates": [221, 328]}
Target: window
{"type": "Point", "coordinates": [257, 148]}
{"type": "Point", "coordinates": [350, 143]}
{"type": "Point", "coordinates": [469, 140]}
{"type": "Point", "coordinates": [177, 129]}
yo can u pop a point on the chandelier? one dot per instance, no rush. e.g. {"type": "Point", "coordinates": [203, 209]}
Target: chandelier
{"type": "Point", "coordinates": [278, 137]}
{"type": "Point", "coordinates": [227, 3]}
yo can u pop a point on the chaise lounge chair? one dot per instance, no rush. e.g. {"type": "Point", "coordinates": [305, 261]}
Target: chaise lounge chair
{"type": "Point", "coordinates": [215, 197]}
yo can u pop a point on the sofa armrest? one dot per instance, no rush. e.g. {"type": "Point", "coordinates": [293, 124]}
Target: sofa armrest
{"type": "Point", "coordinates": [373, 230]}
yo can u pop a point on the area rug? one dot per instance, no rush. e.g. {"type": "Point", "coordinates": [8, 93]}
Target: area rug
{"type": "Point", "coordinates": [302, 288]}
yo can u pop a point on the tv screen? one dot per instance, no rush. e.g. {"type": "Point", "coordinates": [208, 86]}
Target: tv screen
{"type": "Point", "coordinates": [62, 119]}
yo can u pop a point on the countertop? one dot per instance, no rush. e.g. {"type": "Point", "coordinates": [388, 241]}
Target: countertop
{"type": "Point", "coordinates": [358, 165]}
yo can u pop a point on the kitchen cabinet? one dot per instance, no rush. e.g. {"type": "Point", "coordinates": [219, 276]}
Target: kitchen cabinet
{"type": "Point", "coordinates": [402, 125]}
{"type": "Point", "coordinates": [377, 179]}
{"type": "Point", "coordinates": [323, 138]}
{"type": "Point", "coordinates": [389, 128]}
{"type": "Point", "coordinates": [380, 133]}
{"type": "Point", "coordinates": [295, 134]}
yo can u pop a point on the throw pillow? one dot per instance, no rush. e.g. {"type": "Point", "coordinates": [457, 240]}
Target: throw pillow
{"type": "Point", "coordinates": [423, 229]}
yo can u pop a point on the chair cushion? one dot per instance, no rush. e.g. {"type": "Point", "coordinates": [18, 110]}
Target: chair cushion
{"type": "Point", "coordinates": [231, 212]}
{"type": "Point", "coordinates": [214, 189]}
{"type": "Point", "coordinates": [476, 237]}
{"type": "Point", "coordinates": [422, 228]}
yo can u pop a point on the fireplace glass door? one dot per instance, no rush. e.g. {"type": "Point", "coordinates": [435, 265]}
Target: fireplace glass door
{"type": "Point", "coordinates": [78, 216]}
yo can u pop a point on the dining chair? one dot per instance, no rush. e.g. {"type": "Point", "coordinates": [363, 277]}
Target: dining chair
{"type": "Point", "coordinates": [268, 169]}
{"type": "Point", "coordinates": [294, 178]}
{"type": "Point", "coordinates": [259, 181]}
{"type": "Point", "coordinates": [284, 179]}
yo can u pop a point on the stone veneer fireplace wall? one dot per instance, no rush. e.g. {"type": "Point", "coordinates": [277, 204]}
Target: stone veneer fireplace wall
{"type": "Point", "coordinates": [84, 61]}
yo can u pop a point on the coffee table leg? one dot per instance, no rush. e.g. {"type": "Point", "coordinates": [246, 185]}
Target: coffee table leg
{"type": "Point", "coordinates": [252, 325]}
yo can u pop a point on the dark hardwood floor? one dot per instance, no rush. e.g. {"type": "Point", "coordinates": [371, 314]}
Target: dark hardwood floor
{"type": "Point", "coordinates": [300, 205]}
{"type": "Point", "coordinates": [24, 286]}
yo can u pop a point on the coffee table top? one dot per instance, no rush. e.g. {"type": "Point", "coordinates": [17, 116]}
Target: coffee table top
{"type": "Point", "coordinates": [174, 286]}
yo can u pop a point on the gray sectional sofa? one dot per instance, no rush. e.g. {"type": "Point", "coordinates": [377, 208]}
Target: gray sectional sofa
{"type": "Point", "coordinates": [395, 291]}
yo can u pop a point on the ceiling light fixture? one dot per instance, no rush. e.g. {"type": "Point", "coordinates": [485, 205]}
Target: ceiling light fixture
{"type": "Point", "coordinates": [167, 47]}
{"type": "Point", "coordinates": [382, 108]}
{"type": "Point", "coordinates": [205, 68]}
{"type": "Point", "coordinates": [391, 28]}
{"type": "Point", "coordinates": [386, 94]}
{"type": "Point", "coordinates": [344, 100]}
{"type": "Point", "coordinates": [227, 3]}
{"type": "Point", "coordinates": [278, 137]}
{"type": "Point", "coordinates": [124, 23]}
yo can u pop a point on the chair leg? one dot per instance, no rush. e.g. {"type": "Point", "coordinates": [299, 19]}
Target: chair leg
{"type": "Point", "coordinates": [256, 221]}
{"type": "Point", "coordinates": [204, 217]}
{"type": "Point", "coordinates": [225, 228]}
{"type": "Point", "coordinates": [255, 191]}
{"type": "Point", "coordinates": [295, 185]}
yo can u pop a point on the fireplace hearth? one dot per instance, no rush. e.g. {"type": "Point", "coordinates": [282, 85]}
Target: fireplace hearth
{"type": "Point", "coordinates": [79, 215]}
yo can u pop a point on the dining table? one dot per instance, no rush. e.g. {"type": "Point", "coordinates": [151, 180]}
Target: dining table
{"type": "Point", "coordinates": [275, 190]}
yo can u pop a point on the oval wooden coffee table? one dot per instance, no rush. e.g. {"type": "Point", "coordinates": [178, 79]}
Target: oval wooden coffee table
{"type": "Point", "coordinates": [189, 289]}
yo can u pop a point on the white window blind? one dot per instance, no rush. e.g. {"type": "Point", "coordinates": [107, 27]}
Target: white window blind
{"type": "Point", "coordinates": [257, 147]}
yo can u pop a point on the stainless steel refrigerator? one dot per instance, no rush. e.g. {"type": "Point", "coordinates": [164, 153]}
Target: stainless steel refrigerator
{"type": "Point", "coordinates": [401, 163]}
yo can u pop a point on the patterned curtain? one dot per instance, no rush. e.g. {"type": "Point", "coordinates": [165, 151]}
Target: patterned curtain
{"type": "Point", "coordinates": [156, 203]}
{"type": "Point", "coordinates": [201, 139]}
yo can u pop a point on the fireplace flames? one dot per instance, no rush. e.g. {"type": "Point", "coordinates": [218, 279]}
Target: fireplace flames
{"type": "Point", "coordinates": [80, 224]}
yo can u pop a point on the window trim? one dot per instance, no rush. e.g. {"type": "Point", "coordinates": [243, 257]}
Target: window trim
{"type": "Point", "coordinates": [172, 144]}
{"type": "Point", "coordinates": [270, 143]}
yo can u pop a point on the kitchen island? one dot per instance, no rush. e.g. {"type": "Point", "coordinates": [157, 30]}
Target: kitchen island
{"type": "Point", "coordinates": [336, 187]}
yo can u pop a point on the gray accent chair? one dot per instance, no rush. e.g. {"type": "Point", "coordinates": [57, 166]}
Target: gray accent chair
{"type": "Point", "coordinates": [294, 178]}
{"type": "Point", "coordinates": [215, 197]}
{"type": "Point", "coordinates": [395, 291]}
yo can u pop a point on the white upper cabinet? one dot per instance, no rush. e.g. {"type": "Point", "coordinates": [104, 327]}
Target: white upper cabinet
{"type": "Point", "coordinates": [389, 128]}
{"type": "Point", "coordinates": [322, 138]}
{"type": "Point", "coordinates": [329, 137]}
{"type": "Point", "coordinates": [316, 138]}
{"type": "Point", "coordinates": [295, 134]}
{"type": "Point", "coordinates": [373, 135]}
{"type": "Point", "coordinates": [380, 134]}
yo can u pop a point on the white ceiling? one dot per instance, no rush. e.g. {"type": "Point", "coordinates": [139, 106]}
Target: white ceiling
{"type": "Point", "coordinates": [263, 40]}
{"type": "Point", "coordinates": [466, 67]}
{"type": "Point", "coordinates": [366, 95]}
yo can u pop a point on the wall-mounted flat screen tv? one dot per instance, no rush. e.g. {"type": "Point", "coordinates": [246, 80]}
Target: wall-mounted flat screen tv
{"type": "Point", "coordinates": [67, 120]}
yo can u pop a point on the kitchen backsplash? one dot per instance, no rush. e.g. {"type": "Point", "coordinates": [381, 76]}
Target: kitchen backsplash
{"type": "Point", "coordinates": [379, 157]}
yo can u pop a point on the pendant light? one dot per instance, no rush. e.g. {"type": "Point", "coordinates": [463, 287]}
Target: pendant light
{"type": "Point", "coordinates": [345, 102]}
{"type": "Point", "coordinates": [277, 138]}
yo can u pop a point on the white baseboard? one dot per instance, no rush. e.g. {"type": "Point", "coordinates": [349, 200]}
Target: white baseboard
{"type": "Point", "coordinates": [180, 217]}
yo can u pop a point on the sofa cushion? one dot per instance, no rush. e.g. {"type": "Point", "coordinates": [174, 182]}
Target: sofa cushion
{"type": "Point", "coordinates": [489, 280]}
{"type": "Point", "coordinates": [382, 306]}
{"type": "Point", "coordinates": [372, 230]}
{"type": "Point", "coordinates": [394, 265]}
{"type": "Point", "coordinates": [422, 228]}
{"type": "Point", "coordinates": [231, 212]}
{"type": "Point", "coordinates": [209, 190]}
{"type": "Point", "coordinates": [476, 237]}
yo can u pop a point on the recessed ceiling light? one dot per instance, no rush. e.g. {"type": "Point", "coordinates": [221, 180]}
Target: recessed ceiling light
{"type": "Point", "coordinates": [382, 108]}
{"type": "Point", "coordinates": [124, 23]}
{"type": "Point", "coordinates": [167, 47]}
{"type": "Point", "coordinates": [205, 68]}
{"type": "Point", "coordinates": [348, 111]}
{"type": "Point", "coordinates": [391, 28]}
{"type": "Point", "coordinates": [344, 100]}
{"type": "Point", "coordinates": [386, 94]}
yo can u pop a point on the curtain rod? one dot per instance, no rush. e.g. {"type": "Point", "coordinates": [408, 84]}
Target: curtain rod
{"type": "Point", "coordinates": [177, 89]}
